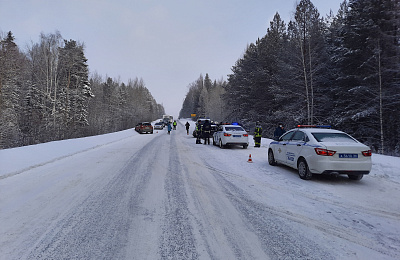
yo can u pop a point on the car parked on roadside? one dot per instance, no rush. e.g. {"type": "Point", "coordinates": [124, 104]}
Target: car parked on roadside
{"type": "Point", "coordinates": [159, 126]}
{"type": "Point", "coordinates": [228, 135]}
{"type": "Point", "coordinates": [144, 127]}
{"type": "Point", "coordinates": [316, 150]}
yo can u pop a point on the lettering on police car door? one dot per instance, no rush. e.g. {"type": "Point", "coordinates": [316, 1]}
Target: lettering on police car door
{"type": "Point", "coordinates": [290, 156]}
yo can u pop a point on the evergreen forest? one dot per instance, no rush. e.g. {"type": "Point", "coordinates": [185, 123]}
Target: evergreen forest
{"type": "Point", "coordinates": [341, 70]}
{"type": "Point", "coordinates": [46, 94]}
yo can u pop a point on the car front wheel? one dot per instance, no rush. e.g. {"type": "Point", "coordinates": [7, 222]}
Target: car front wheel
{"type": "Point", "coordinates": [271, 158]}
{"type": "Point", "coordinates": [303, 170]}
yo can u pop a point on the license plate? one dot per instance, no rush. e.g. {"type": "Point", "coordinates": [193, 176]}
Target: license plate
{"type": "Point", "coordinates": [348, 155]}
{"type": "Point", "coordinates": [237, 136]}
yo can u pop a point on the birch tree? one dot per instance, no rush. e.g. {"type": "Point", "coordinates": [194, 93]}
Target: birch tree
{"type": "Point", "coordinates": [308, 25]}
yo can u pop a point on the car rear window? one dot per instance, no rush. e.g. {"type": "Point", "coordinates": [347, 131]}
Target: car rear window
{"type": "Point", "coordinates": [233, 128]}
{"type": "Point", "coordinates": [146, 124]}
{"type": "Point", "coordinates": [333, 137]}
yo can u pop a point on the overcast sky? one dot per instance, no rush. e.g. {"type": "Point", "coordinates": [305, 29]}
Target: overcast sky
{"type": "Point", "coordinates": [167, 43]}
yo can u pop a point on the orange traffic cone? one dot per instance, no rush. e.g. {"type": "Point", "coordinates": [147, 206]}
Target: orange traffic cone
{"type": "Point", "coordinates": [249, 160]}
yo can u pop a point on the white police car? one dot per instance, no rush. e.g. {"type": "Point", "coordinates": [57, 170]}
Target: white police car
{"type": "Point", "coordinates": [319, 150]}
{"type": "Point", "coordinates": [231, 135]}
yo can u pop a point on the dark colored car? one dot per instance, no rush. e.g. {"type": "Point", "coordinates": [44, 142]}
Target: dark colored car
{"type": "Point", "coordinates": [144, 127]}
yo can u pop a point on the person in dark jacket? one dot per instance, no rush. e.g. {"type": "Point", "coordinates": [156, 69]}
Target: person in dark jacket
{"type": "Point", "coordinates": [279, 131]}
{"type": "Point", "coordinates": [187, 127]}
{"type": "Point", "coordinates": [206, 132]}
{"type": "Point", "coordinates": [257, 134]}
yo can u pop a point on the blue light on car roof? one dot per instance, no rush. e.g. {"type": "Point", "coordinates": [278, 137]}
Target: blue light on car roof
{"type": "Point", "coordinates": [235, 123]}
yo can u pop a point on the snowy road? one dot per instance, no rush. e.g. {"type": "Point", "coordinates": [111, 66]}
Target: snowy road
{"type": "Point", "coordinates": [162, 196]}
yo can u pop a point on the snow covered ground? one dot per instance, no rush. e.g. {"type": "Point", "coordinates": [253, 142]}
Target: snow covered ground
{"type": "Point", "coordinates": [130, 196]}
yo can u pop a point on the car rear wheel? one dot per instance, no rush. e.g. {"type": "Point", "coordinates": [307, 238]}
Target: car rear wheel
{"type": "Point", "coordinates": [221, 145]}
{"type": "Point", "coordinates": [245, 146]}
{"type": "Point", "coordinates": [303, 170]}
{"type": "Point", "coordinates": [271, 158]}
{"type": "Point", "coordinates": [355, 177]}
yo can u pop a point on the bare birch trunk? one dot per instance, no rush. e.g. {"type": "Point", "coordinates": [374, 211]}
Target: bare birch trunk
{"type": "Point", "coordinates": [311, 85]}
{"type": "Point", "coordinates": [305, 82]}
{"type": "Point", "coordinates": [382, 148]}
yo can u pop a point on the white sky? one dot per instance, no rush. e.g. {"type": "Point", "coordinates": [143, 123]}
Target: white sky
{"type": "Point", "coordinates": [167, 43]}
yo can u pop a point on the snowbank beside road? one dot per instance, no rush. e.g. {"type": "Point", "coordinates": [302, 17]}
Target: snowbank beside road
{"type": "Point", "coordinates": [16, 160]}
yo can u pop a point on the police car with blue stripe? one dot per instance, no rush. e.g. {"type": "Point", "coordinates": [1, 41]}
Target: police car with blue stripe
{"type": "Point", "coordinates": [321, 150]}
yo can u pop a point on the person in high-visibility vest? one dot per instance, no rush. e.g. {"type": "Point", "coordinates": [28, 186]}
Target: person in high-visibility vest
{"type": "Point", "coordinates": [198, 132]}
{"type": "Point", "coordinates": [257, 134]}
{"type": "Point", "coordinates": [174, 124]}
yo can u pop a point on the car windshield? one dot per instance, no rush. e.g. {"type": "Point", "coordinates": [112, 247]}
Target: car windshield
{"type": "Point", "coordinates": [234, 128]}
{"type": "Point", "coordinates": [287, 136]}
{"type": "Point", "coordinates": [333, 137]}
{"type": "Point", "coordinates": [146, 124]}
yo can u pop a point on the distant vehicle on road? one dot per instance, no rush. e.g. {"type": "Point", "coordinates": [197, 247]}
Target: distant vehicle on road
{"type": "Point", "coordinates": [315, 150]}
{"type": "Point", "coordinates": [227, 135]}
{"type": "Point", "coordinates": [144, 127]}
{"type": "Point", "coordinates": [159, 126]}
{"type": "Point", "coordinates": [168, 119]}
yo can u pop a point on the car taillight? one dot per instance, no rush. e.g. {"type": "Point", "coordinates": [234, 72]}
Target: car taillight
{"type": "Point", "coordinates": [226, 134]}
{"type": "Point", "coordinates": [324, 152]}
{"type": "Point", "coordinates": [245, 135]}
{"type": "Point", "coordinates": [367, 153]}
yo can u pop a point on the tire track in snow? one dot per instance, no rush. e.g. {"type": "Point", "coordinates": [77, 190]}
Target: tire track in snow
{"type": "Point", "coordinates": [177, 240]}
{"type": "Point", "coordinates": [98, 227]}
{"type": "Point", "coordinates": [372, 240]}
{"type": "Point", "coordinates": [279, 241]}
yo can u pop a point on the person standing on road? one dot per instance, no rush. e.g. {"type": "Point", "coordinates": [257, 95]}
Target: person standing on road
{"type": "Point", "coordinates": [257, 134]}
{"type": "Point", "coordinates": [187, 127]}
{"type": "Point", "coordinates": [169, 128]}
{"type": "Point", "coordinates": [174, 125]}
{"type": "Point", "coordinates": [206, 131]}
{"type": "Point", "coordinates": [198, 132]}
{"type": "Point", "coordinates": [279, 131]}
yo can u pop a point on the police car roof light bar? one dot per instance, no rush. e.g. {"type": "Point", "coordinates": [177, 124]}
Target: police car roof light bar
{"type": "Point", "coordinates": [313, 126]}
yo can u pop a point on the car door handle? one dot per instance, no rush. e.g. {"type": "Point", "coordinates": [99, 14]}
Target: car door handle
{"type": "Point", "coordinates": [284, 144]}
{"type": "Point", "coordinates": [299, 145]}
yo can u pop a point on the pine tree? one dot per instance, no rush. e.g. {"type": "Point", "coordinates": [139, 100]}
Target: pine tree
{"type": "Point", "coordinates": [11, 65]}
{"type": "Point", "coordinates": [75, 89]}
{"type": "Point", "coordinates": [370, 71]}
